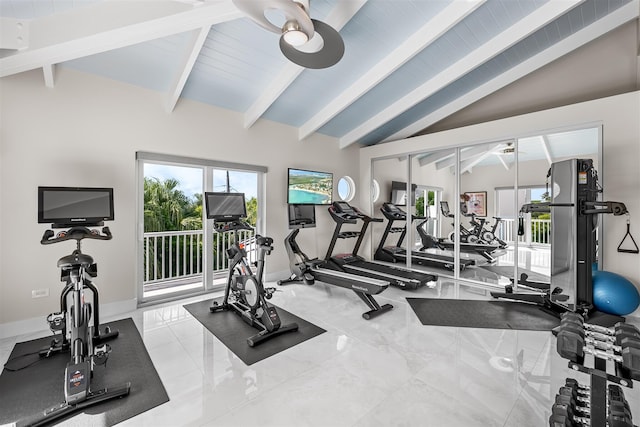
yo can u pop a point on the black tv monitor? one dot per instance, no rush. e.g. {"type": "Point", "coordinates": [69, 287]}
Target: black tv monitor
{"type": "Point", "coordinates": [399, 193]}
{"type": "Point", "coordinates": [70, 206]}
{"type": "Point", "coordinates": [306, 187]}
{"type": "Point", "coordinates": [225, 206]}
{"type": "Point", "coordinates": [302, 216]}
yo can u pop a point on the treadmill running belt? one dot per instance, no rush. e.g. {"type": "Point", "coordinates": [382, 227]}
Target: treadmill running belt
{"type": "Point", "coordinates": [392, 270]}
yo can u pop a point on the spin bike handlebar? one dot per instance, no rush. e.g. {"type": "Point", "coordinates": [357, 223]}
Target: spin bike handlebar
{"type": "Point", "coordinates": [75, 233]}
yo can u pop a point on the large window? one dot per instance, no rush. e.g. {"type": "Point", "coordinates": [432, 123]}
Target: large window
{"type": "Point", "coordinates": [179, 252]}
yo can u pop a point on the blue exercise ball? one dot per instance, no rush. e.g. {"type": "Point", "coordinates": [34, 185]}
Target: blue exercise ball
{"type": "Point", "coordinates": [614, 294]}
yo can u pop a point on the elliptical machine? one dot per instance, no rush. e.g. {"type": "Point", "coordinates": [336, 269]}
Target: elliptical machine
{"type": "Point", "coordinates": [78, 334]}
{"type": "Point", "coordinates": [245, 293]}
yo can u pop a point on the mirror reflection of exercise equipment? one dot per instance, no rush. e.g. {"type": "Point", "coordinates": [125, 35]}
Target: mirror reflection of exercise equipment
{"type": "Point", "coordinates": [574, 208]}
{"type": "Point", "coordinates": [396, 253]}
{"type": "Point", "coordinates": [471, 245]}
{"type": "Point", "coordinates": [306, 270]}
{"type": "Point", "coordinates": [245, 293]}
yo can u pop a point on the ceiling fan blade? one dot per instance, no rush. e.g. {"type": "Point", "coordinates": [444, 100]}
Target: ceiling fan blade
{"type": "Point", "coordinates": [292, 11]}
{"type": "Point", "coordinates": [330, 53]}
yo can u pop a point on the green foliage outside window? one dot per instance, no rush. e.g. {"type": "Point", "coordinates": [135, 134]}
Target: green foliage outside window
{"type": "Point", "coordinates": [167, 208]}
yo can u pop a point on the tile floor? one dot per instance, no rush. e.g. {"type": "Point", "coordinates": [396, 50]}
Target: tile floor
{"type": "Point", "coordinates": [389, 371]}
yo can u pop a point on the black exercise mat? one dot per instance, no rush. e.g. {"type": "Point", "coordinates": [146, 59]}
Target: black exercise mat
{"type": "Point", "coordinates": [229, 328]}
{"type": "Point", "coordinates": [41, 385]}
{"type": "Point", "coordinates": [482, 314]}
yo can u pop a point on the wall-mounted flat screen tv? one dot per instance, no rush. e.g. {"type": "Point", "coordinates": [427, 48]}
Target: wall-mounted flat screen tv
{"type": "Point", "coordinates": [69, 206]}
{"type": "Point", "coordinates": [302, 216]}
{"type": "Point", "coordinates": [399, 193]}
{"type": "Point", "coordinates": [225, 206]}
{"type": "Point", "coordinates": [306, 187]}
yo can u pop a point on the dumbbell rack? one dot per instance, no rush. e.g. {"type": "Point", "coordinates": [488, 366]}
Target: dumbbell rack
{"type": "Point", "coordinates": [599, 401]}
{"type": "Point", "coordinates": [604, 403]}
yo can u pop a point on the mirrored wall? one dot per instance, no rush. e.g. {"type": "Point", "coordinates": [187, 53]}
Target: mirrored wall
{"type": "Point", "coordinates": [462, 206]}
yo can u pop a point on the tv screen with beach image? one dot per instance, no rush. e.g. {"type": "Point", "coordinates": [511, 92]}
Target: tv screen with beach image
{"type": "Point", "coordinates": [309, 187]}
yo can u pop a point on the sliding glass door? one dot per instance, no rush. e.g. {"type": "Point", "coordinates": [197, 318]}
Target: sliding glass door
{"type": "Point", "coordinates": [179, 253]}
{"type": "Point", "coordinates": [173, 230]}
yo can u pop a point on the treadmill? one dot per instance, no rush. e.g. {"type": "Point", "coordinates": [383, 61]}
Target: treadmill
{"type": "Point", "coordinates": [343, 213]}
{"type": "Point", "coordinates": [308, 270]}
{"type": "Point", "coordinates": [399, 254]}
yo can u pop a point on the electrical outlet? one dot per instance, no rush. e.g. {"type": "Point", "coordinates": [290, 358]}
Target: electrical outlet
{"type": "Point", "coordinates": [40, 293]}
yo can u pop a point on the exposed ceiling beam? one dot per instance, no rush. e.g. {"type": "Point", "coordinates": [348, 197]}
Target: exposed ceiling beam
{"type": "Point", "coordinates": [516, 32]}
{"type": "Point", "coordinates": [337, 18]}
{"type": "Point", "coordinates": [427, 34]}
{"type": "Point", "coordinates": [467, 165]}
{"type": "Point", "coordinates": [195, 46]}
{"type": "Point", "coordinates": [14, 33]}
{"type": "Point", "coordinates": [434, 157]}
{"type": "Point", "coordinates": [544, 140]}
{"type": "Point", "coordinates": [469, 153]}
{"type": "Point", "coordinates": [506, 166]}
{"type": "Point", "coordinates": [103, 26]}
{"type": "Point", "coordinates": [49, 74]}
{"type": "Point", "coordinates": [599, 28]}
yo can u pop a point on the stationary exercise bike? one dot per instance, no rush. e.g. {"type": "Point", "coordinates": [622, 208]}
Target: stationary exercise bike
{"type": "Point", "coordinates": [77, 333]}
{"type": "Point", "coordinates": [490, 237]}
{"type": "Point", "coordinates": [467, 235]}
{"type": "Point", "coordinates": [245, 293]}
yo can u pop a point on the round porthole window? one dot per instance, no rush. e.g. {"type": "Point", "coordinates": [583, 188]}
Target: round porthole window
{"type": "Point", "coordinates": [346, 188]}
{"type": "Point", "coordinates": [375, 191]}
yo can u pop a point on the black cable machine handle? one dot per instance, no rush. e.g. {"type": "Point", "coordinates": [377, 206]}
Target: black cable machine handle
{"type": "Point", "coordinates": [628, 234]}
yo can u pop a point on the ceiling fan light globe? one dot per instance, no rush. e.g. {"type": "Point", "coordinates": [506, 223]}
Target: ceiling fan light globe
{"type": "Point", "coordinates": [293, 35]}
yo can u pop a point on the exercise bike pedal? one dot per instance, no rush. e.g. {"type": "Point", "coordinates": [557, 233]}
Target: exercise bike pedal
{"type": "Point", "coordinates": [268, 292]}
{"type": "Point", "coordinates": [108, 334]}
{"type": "Point", "coordinates": [101, 354]}
{"type": "Point", "coordinates": [56, 321]}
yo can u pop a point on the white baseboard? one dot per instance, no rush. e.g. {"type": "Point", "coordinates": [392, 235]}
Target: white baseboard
{"type": "Point", "coordinates": [39, 324]}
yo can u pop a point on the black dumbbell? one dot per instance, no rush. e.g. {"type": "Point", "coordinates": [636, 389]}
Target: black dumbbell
{"type": "Point", "coordinates": [573, 383]}
{"type": "Point", "coordinates": [616, 421]}
{"type": "Point", "coordinates": [616, 394]}
{"type": "Point", "coordinates": [571, 344]}
{"type": "Point", "coordinates": [563, 413]}
{"type": "Point", "coordinates": [576, 400]}
{"type": "Point", "coordinates": [618, 328]}
{"type": "Point", "coordinates": [618, 409]}
{"type": "Point", "coordinates": [560, 421]}
{"type": "Point", "coordinates": [617, 336]}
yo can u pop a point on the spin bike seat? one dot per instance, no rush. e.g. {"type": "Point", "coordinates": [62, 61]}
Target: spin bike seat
{"type": "Point", "coordinates": [75, 260]}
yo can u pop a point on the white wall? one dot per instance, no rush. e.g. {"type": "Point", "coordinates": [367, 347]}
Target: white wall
{"type": "Point", "coordinates": [619, 116]}
{"type": "Point", "coordinates": [85, 132]}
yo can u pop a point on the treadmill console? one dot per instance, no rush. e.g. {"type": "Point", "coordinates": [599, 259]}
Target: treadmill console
{"type": "Point", "coordinates": [345, 210]}
{"type": "Point", "coordinates": [392, 211]}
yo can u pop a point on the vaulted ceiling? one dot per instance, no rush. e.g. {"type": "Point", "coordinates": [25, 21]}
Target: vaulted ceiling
{"type": "Point", "coordinates": [407, 64]}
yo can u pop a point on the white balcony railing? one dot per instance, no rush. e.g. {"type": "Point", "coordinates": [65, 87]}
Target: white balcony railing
{"type": "Point", "coordinates": [539, 231]}
{"type": "Point", "coordinates": [177, 255]}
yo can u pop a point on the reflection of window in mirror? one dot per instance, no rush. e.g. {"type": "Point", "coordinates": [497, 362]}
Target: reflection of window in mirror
{"type": "Point", "coordinates": [346, 188]}
{"type": "Point", "coordinates": [375, 191]}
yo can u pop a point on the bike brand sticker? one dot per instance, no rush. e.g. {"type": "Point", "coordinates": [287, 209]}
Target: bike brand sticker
{"type": "Point", "coordinates": [76, 379]}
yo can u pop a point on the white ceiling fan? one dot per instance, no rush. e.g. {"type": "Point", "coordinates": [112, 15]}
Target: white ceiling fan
{"type": "Point", "coordinates": [304, 41]}
{"type": "Point", "coordinates": [505, 150]}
